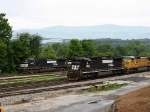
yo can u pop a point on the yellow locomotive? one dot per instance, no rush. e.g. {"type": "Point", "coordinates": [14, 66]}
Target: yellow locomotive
{"type": "Point", "coordinates": [134, 63]}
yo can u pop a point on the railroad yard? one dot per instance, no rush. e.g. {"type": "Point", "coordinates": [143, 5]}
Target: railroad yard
{"type": "Point", "coordinates": [48, 96]}
{"type": "Point", "coordinates": [94, 57]}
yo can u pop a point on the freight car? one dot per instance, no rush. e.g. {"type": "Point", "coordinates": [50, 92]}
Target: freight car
{"type": "Point", "coordinates": [91, 66]}
{"type": "Point", "coordinates": [31, 65]}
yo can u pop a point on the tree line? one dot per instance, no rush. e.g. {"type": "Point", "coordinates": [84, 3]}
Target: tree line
{"type": "Point", "coordinates": [119, 42]}
{"type": "Point", "coordinates": [27, 45]}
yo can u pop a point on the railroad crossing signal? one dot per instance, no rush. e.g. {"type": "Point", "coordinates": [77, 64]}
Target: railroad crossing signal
{"type": "Point", "coordinates": [1, 110]}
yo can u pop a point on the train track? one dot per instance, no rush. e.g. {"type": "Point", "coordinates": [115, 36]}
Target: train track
{"type": "Point", "coordinates": [32, 85]}
{"type": "Point", "coordinates": [30, 88]}
{"type": "Point", "coordinates": [33, 75]}
{"type": "Point", "coordinates": [52, 88]}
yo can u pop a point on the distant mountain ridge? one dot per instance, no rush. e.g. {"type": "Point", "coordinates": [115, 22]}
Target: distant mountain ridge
{"type": "Point", "coordinates": [91, 32]}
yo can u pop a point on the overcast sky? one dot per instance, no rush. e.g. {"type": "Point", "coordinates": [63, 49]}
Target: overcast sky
{"type": "Point", "coordinates": [25, 14]}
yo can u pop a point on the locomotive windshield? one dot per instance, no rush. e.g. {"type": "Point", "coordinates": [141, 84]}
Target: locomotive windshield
{"type": "Point", "coordinates": [25, 61]}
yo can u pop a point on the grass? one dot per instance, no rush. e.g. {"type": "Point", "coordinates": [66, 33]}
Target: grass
{"type": "Point", "coordinates": [106, 87]}
{"type": "Point", "coordinates": [8, 74]}
{"type": "Point", "coordinates": [31, 79]}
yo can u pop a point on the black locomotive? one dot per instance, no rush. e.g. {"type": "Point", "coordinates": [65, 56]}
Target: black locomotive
{"type": "Point", "coordinates": [91, 66]}
{"type": "Point", "coordinates": [31, 65]}
{"type": "Point", "coordinates": [84, 67]}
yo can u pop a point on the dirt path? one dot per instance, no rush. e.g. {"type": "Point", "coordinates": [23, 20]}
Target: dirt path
{"type": "Point", "coordinates": [136, 101]}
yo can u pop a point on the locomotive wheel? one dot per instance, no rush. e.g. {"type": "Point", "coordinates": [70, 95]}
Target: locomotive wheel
{"type": "Point", "coordinates": [122, 72]}
{"type": "Point", "coordinates": [113, 73]}
{"type": "Point", "coordinates": [74, 76]}
{"type": "Point", "coordinates": [127, 71]}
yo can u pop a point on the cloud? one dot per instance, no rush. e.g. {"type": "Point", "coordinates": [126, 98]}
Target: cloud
{"type": "Point", "coordinates": [43, 13]}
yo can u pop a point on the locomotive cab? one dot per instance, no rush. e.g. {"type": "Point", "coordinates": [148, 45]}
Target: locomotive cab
{"type": "Point", "coordinates": [131, 63]}
{"type": "Point", "coordinates": [77, 68]}
{"type": "Point", "coordinates": [26, 65]}
{"type": "Point", "coordinates": [78, 65]}
{"type": "Point", "coordinates": [27, 62]}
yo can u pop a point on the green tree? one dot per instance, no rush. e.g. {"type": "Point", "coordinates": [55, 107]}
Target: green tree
{"type": "Point", "coordinates": [56, 47]}
{"type": "Point", "coordinates": [63, 51]}
{"type": "Point", "coordinates": [5, 29]}
{"type": "Point", "coordinates": [120, 51]}
{"type": "Point", "coordinates": [141, 50]}
{"type": "Point", "coordinates": [5, 36]}
{"type": "Point", "coordinates": [48, 52]}
{"type": "Point", "coordinates": [105, 50]}
{"type": "Point", "coordinates": [75, 49]}
{"type": "Point", "coordinates": [89, 48]}
{"type": "Point", "coordinates": [21, 50]}
{"type": "Point", "coordinates": [147, 50]}
{"type": "Point", "coordinates": [135, 48]}
{"type": "Point", "coordinates": [35, 45]}
{"type": "Point", "coordinates": [33, 42]}
{"type": "Point", "coordinates": [3, 54]}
